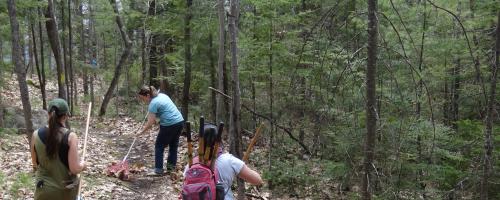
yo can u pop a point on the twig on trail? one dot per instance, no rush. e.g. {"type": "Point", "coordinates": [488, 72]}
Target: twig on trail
{"type": "Point", "coordinates": [286, 129]}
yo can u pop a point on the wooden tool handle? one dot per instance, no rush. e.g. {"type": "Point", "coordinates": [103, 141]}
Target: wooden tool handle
{"type": "Point", "coordinates": [252, 143]}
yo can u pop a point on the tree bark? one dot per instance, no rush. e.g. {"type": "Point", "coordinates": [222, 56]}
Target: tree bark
{"type": "Point", "coordinates": [55, 44]}
{"type": "Point", "coordinates": [154, 54]}
{"type": "Point", "coordinates": [220, 63]}
{"type": "Point", "coordinates": [19, 67]}
{"type": "Point", "coordinates": [143, 55]}
{"type": "Point", "coordinates": [187, 62]}
{"type": "Point", "coordinates": [42, 60]}
{"type": "Point", "coordinates": [73, 90]}
{"type": "Point", "coordinates": [1, 81]}
{"type": "Point", "coordinates": [123, 59]}
{"type": "Point", "coordinates": [235, 116]}
{"type": "Point", "coordinates": [83, 50]}
{"type": "Point", "coordinates": [213, 79]}
{"type": "Point", "coordinates": [37, 64]}
{"type": "Point", "coordinates": [488, 137]}
{"type": "Point", "coordinates": [371, 120]}
{"type": "Point", "coordinates": [65, 53]}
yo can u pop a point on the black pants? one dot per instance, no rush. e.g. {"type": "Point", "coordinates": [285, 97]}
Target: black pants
{"type": "Point", "coordinates": [168, 136]}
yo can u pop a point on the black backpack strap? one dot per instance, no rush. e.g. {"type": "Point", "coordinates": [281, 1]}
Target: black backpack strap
{"type": "Point", "coordinates": [64, 148]}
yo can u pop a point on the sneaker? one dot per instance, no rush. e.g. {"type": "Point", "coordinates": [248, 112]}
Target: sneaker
{"type": "Point", "coordinates": [155, 172]}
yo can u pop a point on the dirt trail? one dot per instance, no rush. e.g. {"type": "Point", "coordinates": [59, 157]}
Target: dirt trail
{"type": "Point", "coordinates": [108, 141]}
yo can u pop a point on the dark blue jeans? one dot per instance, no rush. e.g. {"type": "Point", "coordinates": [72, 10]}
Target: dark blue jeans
{"type": "Point", "coordinates": [168, 136]}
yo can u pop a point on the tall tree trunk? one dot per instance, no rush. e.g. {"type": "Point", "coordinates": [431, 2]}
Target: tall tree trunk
{"type": "Point", "coordinates": [1, 81]}
{"type": "Point", "coordinates": [420, 172]}
{"type": "Point", "coordinates": [219, 116]}
{"type": "Point", "coordinates": [42, 60]}
{"type": "Point", "coordinates": [70, 61]}
{"type": "Point", "coordinates": [123, 59]}
{"type": "Point", "coordinates": [271, 101]}
{"type": "Point", "coordinates": [371, 120]}
{"type": "Point", "coordinates": [19, 67]}
{"type": "Point", "coordinates": [1, 50]}
{"type": "Point", "coordinates": [94, 51]}
{"type": "Point", "coordinates": [30, 52]}
{"type": "Point", "coordinates": [65, 53]}
{"type": "Point", "coordinates": [235, 116]}
{"type": "Point", "coordinates": [488, 137]}
{"type": "Point", "coordinates": [143, 55]}
{"type": "Point", "coordinates": [187, 61]}
{"type": "Point", "coordinates": [154, 54]}
{"type": "Point", "coordinates": [83, 50]}
{"type": "Point", "coordinates": [455, 94]}
{"type": "Point", "coordinates": [213, 79]}
{"type": "Point", "coordinates": [55, 44]}
{"type": "Point", "coordinates": [38, 71]}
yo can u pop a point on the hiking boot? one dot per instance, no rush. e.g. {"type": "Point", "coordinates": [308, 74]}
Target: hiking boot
{"type": "Point", "coordinates": [155, 172]}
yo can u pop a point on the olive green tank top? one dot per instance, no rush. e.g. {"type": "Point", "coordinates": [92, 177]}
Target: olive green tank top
{"type": "Point", "coordinates": [53, 178]}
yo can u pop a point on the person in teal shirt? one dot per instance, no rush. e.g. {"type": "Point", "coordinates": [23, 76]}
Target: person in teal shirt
{"type": "Point", "coordinates": [171, 124]}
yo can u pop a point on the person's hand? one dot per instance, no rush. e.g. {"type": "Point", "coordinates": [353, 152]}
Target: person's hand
{"type": "Point", "coordinates": [83, 164]}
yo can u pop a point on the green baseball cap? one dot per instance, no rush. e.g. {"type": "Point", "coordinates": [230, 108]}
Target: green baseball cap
{"type": "Point", "coordinates": [61, 106]}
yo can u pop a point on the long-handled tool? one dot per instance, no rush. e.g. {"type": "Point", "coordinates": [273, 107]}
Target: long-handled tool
{"type": "Point", "coordinates": [84, 147]}
{"type": "Point", "coordinates": [252, 143]}
{"type": "Point", "coordinates": [120, 169]}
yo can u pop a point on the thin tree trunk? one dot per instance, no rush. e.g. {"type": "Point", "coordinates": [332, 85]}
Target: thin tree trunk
{"type": "Point", "coordinates": [488, 161]}
{"type": "Point", "coordinates": [213, 81]}
{"type": "Point", "coordinates": [154, 50]}
{"type": "Point", "coordinates": [143, 55]}
{"type": "Point", "coordinates": [65, 53]}
{"type": "Point", "coordinates": [271, 101]}
{"type": "Point", "coordinates": [455, 94]}
{"type": "Point", "coordinates": [83, 50]}
{"type": "Point", "coordinates": [371, 120]}
{"type": "Point", "coordinates": [19, 67]}
{"type": "Point", "coordinates": [31, 64]}
{"type": "Point", "coordinates": [187, 62]}
{"type": "Point", "coordinates": [42, 60]}
{"type": "Point", "coordinates": [235, 128]}
{"type": "Point", "coordinates": [38, 71]}
{"type": "Point", "coordinates": [55, 44]}
{"type": "Point", "coordinates": [123, 59]}
{"type": "Point", "coordinates": [70, 62]}
{"type": "Point", "coordinates": [1, 81]}
{"type": "Point", "coordinates": [220, 63]}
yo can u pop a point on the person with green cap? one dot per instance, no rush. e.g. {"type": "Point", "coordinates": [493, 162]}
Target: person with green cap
{"type": "Point", "coordinates": [54, 154]}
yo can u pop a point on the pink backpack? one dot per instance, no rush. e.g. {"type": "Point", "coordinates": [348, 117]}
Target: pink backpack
{"type": "Point", "coordinates": [200, 182]}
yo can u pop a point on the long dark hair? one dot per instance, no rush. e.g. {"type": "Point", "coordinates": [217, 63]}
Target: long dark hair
{"type": "Point", "coordinates": [151, 90]}
{"type": "Point", "coordinates": [54, 136]}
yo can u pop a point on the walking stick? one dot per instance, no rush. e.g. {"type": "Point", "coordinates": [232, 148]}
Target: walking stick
{"type": "Point", "coordinates": [252, 143]}
{"type": "Point", "coordinates": [84, 148]}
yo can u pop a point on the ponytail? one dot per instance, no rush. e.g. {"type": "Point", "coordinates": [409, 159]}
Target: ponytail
{"type": "Point", "coordinates": [54, 136]}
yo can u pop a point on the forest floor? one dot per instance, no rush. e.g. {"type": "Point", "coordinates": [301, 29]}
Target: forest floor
{"type": "Point", "coordinates": [108, 141]}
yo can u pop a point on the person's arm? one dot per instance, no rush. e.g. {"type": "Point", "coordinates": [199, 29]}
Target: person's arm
{"type": "Point", "coordinates": [75, 165]}
{"type": "Point", "coordinates": [33, 152]}
{"type": "Point", "coordinates": [250, 176]}
{"type": "Point", "coordinates": [151, 121]}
